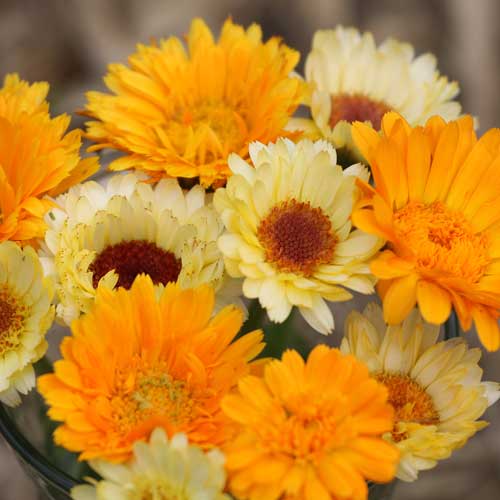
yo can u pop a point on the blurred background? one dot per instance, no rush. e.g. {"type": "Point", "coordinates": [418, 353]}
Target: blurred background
{"type": "Point", "coordinates": [69, 43]}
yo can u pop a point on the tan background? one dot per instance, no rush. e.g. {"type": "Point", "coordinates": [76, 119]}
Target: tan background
{"type": "Point", "coordinates": [69, 43]}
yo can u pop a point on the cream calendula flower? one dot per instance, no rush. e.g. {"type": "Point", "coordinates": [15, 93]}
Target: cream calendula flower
{"type": "Point", "coordinates": [435, 388]}
{"type": "Point", "coordinates": [25, 316]}
{"type": "Point", "coordinates": [288, 229]}
{"type": "Point", "coordinates": [351, 79]}
{"type": "Point", "coordinates": [108, 235]}
{"type": "Point", "coordinates": [160, 469]}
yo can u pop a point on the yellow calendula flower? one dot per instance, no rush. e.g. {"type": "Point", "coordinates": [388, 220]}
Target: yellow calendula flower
{"type": "Point", "coordinates": [351, 79]}
{"type": "Point", "coordinates": [144, 358]}
{"type": "Point", "coordinates": [180, 113]}
{"type": "Point", "coordinates": [160, 469]}
{"type": "Point", "coordinates": [107, 235]}
{"type": "Point", "coordinates": [309, 430]}
{"type": "Point", "coordinates": [435, 388]}
{"type": "Point", "coordinates": [289, 232]}
{"type": "Point", "coordinates": [436, 202]}
{"type": "Point", "coordinates": [37, 158]}
{"type": "Point", "coordinates": [25, 316]}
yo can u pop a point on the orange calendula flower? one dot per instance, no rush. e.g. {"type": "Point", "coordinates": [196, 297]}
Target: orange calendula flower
{"type": "Point", "coordinates": [309, 431]}
{"type": "Point", "coordinates": [437, 203]}
{"type": "Point", "coordinates": [37, 157]}
{"type": "Point", "coordinates": [180, 113]}
{"type": "Point", "coordinates": [141, 359]}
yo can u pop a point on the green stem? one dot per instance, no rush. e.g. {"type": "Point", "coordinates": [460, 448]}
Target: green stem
{"type": "Point", "coordinates": [43, 366]}
{"type": "Point", "coordinates": [278, 337]}
{"type": "Point", "coordinates": [451, 327]}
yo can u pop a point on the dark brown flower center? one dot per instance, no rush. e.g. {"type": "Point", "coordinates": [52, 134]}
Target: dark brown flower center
{"type": "Point", "coordinates": [357, 107]}
{"type": "Point", "coordinates": [297, 237]}
{"type": "Point", "coordinates": [7, 313]}
{"type": "Point", "coordinates": [11, 321]}
{"type": "Point", "coordinates": [130, 258]}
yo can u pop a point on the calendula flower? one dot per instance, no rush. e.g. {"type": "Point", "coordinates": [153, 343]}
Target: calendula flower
{"type": "Point", "coordinates": [435, 202]}
{"type": "Point", "coordinates": [180, 113]}
{"type": "Point", "coordinates": [25, 317]}
{"type": "Point", "coordinates": [351, 79]}
{"type": "Point", "coordinates": [435, 388]}
{"type": "Point", "coordinates": [144, 358]}
{"type": "Point", "coordinates": [37, 157]}
{"type": "Point", "coordinates": [108, 235]}
{"type": "Point", "coordinates": [309, 431]}
{"type": "Point", "coordinates": [160, 469]}
{"type": "Point", "coordinates": [289, 232]}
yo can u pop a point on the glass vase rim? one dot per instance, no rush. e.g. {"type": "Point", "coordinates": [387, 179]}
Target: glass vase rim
{"type": "Point", "coordinates": [31, 456]}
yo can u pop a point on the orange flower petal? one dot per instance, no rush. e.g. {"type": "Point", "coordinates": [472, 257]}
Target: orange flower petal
{"type": "Point", "coordinates": [400, 298]}
{"type": "Point", "coordinates": [387, 266]}
{"type": "Point", "coordinates": [487, 327]}
{"type": "Point", "coordinates": [434, 302]}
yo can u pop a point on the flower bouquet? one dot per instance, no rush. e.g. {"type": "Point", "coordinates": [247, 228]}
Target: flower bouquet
{"type": "Point", "coordinates": [181, 371]}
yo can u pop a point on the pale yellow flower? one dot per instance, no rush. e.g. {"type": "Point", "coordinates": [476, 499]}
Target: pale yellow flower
{"type": "Point", "coordinates": [160, 469]}
{"type": "Point", "coordinates": [107, 235]}
{"type": "Point", "coordinates": [351, 79]}
{"type": "Point", "coordinates": [435, 387]}
{"type": "Point", "coordinates": [25, 316]}
{"type": "Point", "coordinates": [289, 233]}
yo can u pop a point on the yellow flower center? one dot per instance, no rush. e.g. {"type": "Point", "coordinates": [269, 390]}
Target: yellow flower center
{"type": "Point", "coordinates": [217, 128]}
{"type": "Point", "coordinates": [156, 488]}
{"type": "Point", "coordinates": [410, 401]}
{"type": "Point", "coordinates": [357, 107]}
{"type": "Point", "coordinates": [296, 237]}
{"type": "Point", "coordinates": [442, 240]}
{"type": "Point", "coordinates": [130, 258]}
{"type": "Point", "coordinates": [147, 392]}
{"type": "Point", "coordinates": [12, 315]}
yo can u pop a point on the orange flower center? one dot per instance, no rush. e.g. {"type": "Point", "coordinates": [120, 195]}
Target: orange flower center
{"type": "Point", "coordinates": [357, 107]}
{"type": "Point", "coordinates": [296, 237]}
{"type": "Point", "coordinates": [442, 241]}
{"type": "Point", "coordinates": [130, 258]}
{"type": "Point", "coordinates": [146, 393]}
{"type": "Point", "coordinates": [306, 429]}
{"type": "Point", "coordinates": [12, 316]}
{"type": "Point", "coordinates": [410, 401]}
{"type": "Point", "coordinates": [217, 127]}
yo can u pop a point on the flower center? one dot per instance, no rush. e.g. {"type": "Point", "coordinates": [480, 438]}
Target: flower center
{"type": "Point", "coordinates": [218, 127]}
{"type": "Point", "coordinates": [296, 237]}
{"type": "Point", "coordinates": [130, 258]}
{"type": "Point", "coordinates": [12, 316]}
{"type": "Point", "coordinates": [306, 430]}
{"type": "Point", "coordinates": [149, 392]}
{"type": "Point", "coordinates": [157, 488]}
{"type": "Point", "coordinates": [442, 240]}
{"type": "Point", "coordinates": [410, 401]}
{"type": "Point", "coordinates": [357, 107]}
